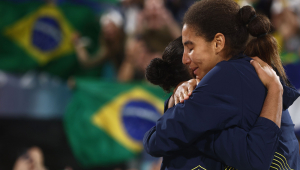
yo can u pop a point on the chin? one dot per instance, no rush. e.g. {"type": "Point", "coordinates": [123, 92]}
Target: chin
{"type": "Point", "coordinates": [199, 77]}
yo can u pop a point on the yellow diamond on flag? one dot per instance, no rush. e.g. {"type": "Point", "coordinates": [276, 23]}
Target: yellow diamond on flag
{"type": "Point", "coordinates": [129, 116]}
{"type": "Point", "coordinates": [45, 34]}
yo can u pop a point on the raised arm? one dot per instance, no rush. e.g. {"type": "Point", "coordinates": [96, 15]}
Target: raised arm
{"type": "Point", "coordinates": [272, 108]}
{"type": "Point", "coordinates": [254, 149]}
{"type": "Point", "coordinates": [83, 56]}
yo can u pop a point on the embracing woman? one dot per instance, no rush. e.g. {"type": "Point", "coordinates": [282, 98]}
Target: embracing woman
{"type": "Point", "coordinates": [225, 121]}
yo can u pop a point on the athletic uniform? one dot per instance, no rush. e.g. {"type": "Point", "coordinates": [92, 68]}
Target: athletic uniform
{"type": "Point", "coordinates": [219, 126]}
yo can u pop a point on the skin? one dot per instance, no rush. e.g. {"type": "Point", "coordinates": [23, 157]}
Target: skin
{"type": "Point", "coordinates": [201, 56]}
{"type": "Point", "coordinates": [32, 160]}
{"type": "Point", "coordinates": [272, 108]}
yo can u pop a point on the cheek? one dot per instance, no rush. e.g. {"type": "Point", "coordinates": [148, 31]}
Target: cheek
{"type": "Point", "coordinates": [196, 57]}
{"type": "Point", "coordinates": [210, 63]}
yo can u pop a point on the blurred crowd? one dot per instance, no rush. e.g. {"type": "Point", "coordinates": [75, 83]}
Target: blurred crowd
{"type": "Point", "coordinates": [133, 32]}
{"type": "Point", "coordinates": [132, 35]}
{"type": "Point", "coordinates": [137, 31]}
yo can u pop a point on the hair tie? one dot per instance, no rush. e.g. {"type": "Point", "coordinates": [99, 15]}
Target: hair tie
{"type": "Point", "coordinates": [261, 35]}
{"type": "Point", "coordinates": [252, 18]}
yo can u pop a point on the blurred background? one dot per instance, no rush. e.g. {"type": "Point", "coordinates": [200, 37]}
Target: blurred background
{"type": "Point", "coordinates": [72, 89]}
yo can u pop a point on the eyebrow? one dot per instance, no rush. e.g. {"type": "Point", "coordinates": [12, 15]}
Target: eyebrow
{"type": "Point", "coordinates": [187, 42]}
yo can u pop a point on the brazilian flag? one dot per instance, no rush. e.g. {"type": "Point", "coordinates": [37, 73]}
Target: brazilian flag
{"type": "Point", "coordinates": [37, 35]}
{"type": "Point", "coordinates": [105, 121]}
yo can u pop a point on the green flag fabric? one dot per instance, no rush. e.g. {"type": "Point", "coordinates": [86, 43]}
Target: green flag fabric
{"type": "Point", "coordinates": [37, 35]}
{"type": "Point", "coordinates": [105, 121]}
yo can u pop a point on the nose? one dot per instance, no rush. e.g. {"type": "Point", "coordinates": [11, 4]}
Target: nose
{"type": "Point", "coordinates": [185, 58]}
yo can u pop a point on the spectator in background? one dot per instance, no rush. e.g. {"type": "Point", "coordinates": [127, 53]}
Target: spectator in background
{"type": "Point", "coordinates": [131, 10]}
{"type": "Point", "coordinates": [156, 27]}
{"type": "Point", "coordinates": [111, 51]}
{"type": "Point", "coordinates": [286, 20]}
{"type": "Point", "coordinates": [178, 8]}
{"type": "Point", "coordinates": [155, 17]}
{"type": "Point", "coordinates": [32, 159]}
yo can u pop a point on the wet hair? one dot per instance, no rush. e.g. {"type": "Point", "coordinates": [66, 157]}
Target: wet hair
{"type": "Point", "coordinates": [168, 71]}
{"type": "Point", "coordinates": [209, 17]}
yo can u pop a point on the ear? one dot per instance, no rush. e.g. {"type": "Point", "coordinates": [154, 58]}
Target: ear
{"type": "Point", "coordinates": [219, 42]}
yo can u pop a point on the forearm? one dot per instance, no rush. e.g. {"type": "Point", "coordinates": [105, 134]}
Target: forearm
{"type": "Point", "coordinates": [82, 54]}
{"type": "Point", "coordinates": [174, 28]}
{"type": "Point", "coordinates": [126, 72]}
{"type": "Point", "coordinates": [240, 149]}
{"type": "Point", "coordinates": [272, 108]}
{"type": "Point", "coordinates": [87, 61]}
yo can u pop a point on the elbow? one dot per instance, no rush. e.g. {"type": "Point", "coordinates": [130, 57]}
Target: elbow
{"type": "Point", "coordinates": [150, 144]}
{"type": "Point", "coordinates": [152, 152]}
{"type": "Point", "coordinates": [151, 149]}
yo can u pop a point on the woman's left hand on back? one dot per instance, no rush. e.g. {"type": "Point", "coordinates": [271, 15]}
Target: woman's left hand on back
{"type": "Point", "coordinates": [266, 74]}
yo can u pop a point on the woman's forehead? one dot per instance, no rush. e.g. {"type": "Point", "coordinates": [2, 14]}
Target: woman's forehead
{"type": "Point", "coordinates": [188, 33]}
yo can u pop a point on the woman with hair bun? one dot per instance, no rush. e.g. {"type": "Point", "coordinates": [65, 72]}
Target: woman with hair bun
{"type": "Point", "coordinates": [224, 121]}
{"type": "Point", "coordinates": [168, 71]}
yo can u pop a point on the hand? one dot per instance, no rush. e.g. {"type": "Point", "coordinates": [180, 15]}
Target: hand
{"type": "Point", "coordinates": [266, 74]}
{"type": "Point", "coordinates": [75, 38]}
{"type": "Point", "coordinates": [184, 90]}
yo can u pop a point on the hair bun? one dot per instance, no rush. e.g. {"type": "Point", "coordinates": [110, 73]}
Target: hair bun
{"type": "Point", "coordinates": [246, 13]}
{"type": "Point", "coordinates": [156, 71]}
{"type": "Point", "coordinates": [257, 25]}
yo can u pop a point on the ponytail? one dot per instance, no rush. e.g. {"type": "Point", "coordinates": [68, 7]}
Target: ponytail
{"type": "Point", "coordinates": [263, 45]}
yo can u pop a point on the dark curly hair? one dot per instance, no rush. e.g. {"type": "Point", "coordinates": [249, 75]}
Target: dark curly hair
{"type": "Point", "coordinates": [209, 17]}
{"type": "Point", "coordinates": [168, 71]}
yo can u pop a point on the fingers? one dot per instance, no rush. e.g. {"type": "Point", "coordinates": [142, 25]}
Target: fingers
{"type": "Point", "coordinates": [265, 73]}
{"type": "Point", "coordinates": [189, 90]}
{"type": "Point", "coordinates": [184, 90]}
{"type": "Point", "coordinates": [186, 95]}
{"type": "Point", "coordinates": [260, 61]}
{"type": "Point", "coordinates": [181, 94]}
{"type": "Point", "coordinates": [255, 64]}
{"type": "Point", "coordinates": [260, 72]}
{"type": "Point", "coordinates": [181, 98]}
{"type": "Point", "coordinates": [257, 59]}
{"type": "Point", "coordinates": [176, 100]}
{"type": "Point", "coordinates": [192, 85]}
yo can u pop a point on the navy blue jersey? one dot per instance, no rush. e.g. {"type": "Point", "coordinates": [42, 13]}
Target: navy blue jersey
{"type": "Point", "coordinates": [219, 125]}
